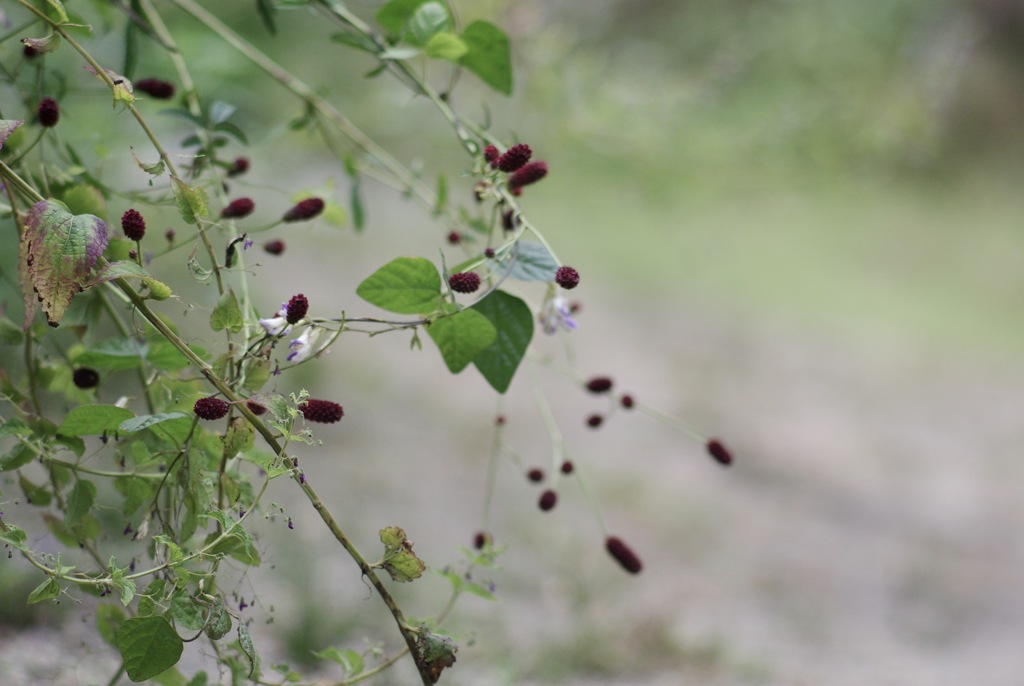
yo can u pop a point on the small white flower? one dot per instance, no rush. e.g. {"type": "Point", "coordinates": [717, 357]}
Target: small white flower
{"type": "Point", "coordinates": [302, 347]}
{"type": "Point", "coordinates": [275, 326]}
{"type": "Point", "coordinates": [555, 314]}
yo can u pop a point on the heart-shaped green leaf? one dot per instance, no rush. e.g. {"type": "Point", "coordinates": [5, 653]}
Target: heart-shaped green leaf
{"type": "Point", "coordinates": [513, 321]}
{"type": "Point", "coordinates": [489, 56]}
{"type": "Point", "coordinates": [461, 337]}
{"type": "Point", "coordinates": [149, 646]}
{"type": "Point", "coordinates": [406, 285]}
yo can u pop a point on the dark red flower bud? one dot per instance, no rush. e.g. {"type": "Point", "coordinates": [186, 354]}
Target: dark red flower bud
{"type": "Point", "coordinates": [236, 209]}
{"type": "Point", "coordinates": [514, 158]}
{"type": "Point", "coordinates": [274, 247]}
{"type": "Point", "coordinates": [48, 112]}
{"type": "Point", "coordinates": [508, 220]}
{"type": "Point", "coordinates": [240, 166]}
{"type": "Point", "coordinates": [210, 408]}
{"type": "Point", "coordinates": [255, 407]}
{"type": "Point", "coordinates": [480, 539]}
{"type": "Point", "coordinates": [535, 475]}
{"type": "Point", "coordinates": [85, 377]}
{"type": "Point", "coordinates": [567, 277]}
{"type": "Point", "coordinates": [491, 154]}
{"type": "Point", "coordinates": [627, 402]}
{"type": "Point", "coordinates": [500, 420]}
{"type": "Point", "coordinates": [29, 52]}
{"type": "Point", "coordinates": [718, 451]}
{"type": "Point", "coordinates": [527, 174]}
{"type": "Point", "coordinates": [169, 235]}
{"type": "Point", "coordinates": [323, 411]}
{"type": "Point", "coordinates": [133, 225]}
{"type": "Point", "coordinates": [464, 282]}
{"type": "Point", "coordinates": [306, 209]}
{"type": "Point", "coordinates": [489, 253]}
{"type": "Point", "coordinates": [599, 384]}
{"type": "Point", "coordinates": [548, 499]}
{"type": "Point", "coordinates": [296, 309]}
{"type": "Point", "coordinates": [454, 237]}
{"type": "Point", "coordinates": [161, 90]}
{"type": "Point", "coordinates": [623, 554]}
{"type": "Point", "coordinates": [568, 467]}
{"type": "Point", "coordinates": [594, 421]}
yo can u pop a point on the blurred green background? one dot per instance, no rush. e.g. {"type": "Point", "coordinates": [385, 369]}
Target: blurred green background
{"type": "Point", "coordinates": [799, 226]}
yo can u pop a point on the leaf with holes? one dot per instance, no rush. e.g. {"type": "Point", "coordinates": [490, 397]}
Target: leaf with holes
{"type": "Point", "coordinates": [58, 251]}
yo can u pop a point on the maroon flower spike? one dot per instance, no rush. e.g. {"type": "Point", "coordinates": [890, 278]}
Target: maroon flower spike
{"type": "Point", "coordinates": [508, 220]}
{"type": "Point", "coordinates": [307, 209]}
{"type": "Point", "coordinates": [594, 421]}
{"type": "Point", "coordinates": [133, 225]}
{"type": "Point", "coordinates": [568, 467]}
{"type": "Point", "coordinates": [489, 253]}
{"type": "Point", "coordinates": [491, 154]}
{"type": "Point", "coordinates": [718, 451]}
{"type": "Point", "coordinates": [480, 539]}
{"type": "Point", "coordinates": [599, 384]}
{"type": "Point", "coordinates": [627, 402]}
{"type": "Point", "coordinates": [623, 554]}
{"type": "Point", "coordinates": [161, 90]}
{"type": "Point", "coordinates": [169, 235]}
{"type": "Point", "coordinates": [48, 112]}
{"type": "Point", "coordinates": [274, 247]}
{"type": "Point", "coordinates": [535, 475]}
{"type": "Point", "coordinates": [323, 411]}
{"type": "Point", "coordinates": [527, 174]}
{"type": "Point", "coordinates": [255, 407]}
{"type": "Point", "coordinates": [514, 158]}
{"type": "Point", "coordinates": [240, 166]}
{"type": "Point", "coordinates": [210, 408]}
{"type": "Point", "coordinates": [567, 277]}
{"type": "Point", "coordinates": [85, 377]}
{"type": "Point", "coordinates": [455, 238]}
{"type": "Point", "coordinates": [236, 209]}
{"type": "Point", "coordinates": [297, 308]}
{"type": "Point", "coordinates": [464, 282]}
{"type": "Point", "coordinates": [548, 499]}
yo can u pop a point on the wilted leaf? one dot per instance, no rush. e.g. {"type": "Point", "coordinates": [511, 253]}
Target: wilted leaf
{"type": "Point", "coordinates": [436, 650]}
{"type": "Point", "coordinates": [399, 560]}
{"type": "Point", "coordinates": [59, 250]}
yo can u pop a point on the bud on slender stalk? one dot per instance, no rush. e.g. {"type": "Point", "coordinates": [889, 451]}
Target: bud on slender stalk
{"type": "Point", "coordinates": [623, 554]}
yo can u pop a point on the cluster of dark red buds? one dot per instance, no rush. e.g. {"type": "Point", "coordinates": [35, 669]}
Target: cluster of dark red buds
{"type": "Point", "coordinates": [210, 408]}
{"type": "Point", "coordinates": [133, 225]}
{"type": "Point", "coordinates": [516, 162]}
{"type": "Point", "coordinates": [464, 282]}
{"type": "Point", "coordinates": [296, 309]}
{"type": "Point", "coordinates": [48, 112]}
{"type": "Point", "coordinates": [157, 88]}
{"type": "Point", "coordinates": [237, 209]}
{"type": "Point", "coordinates": [303, 210]}
{"type": "Point", "coordinates": [323, 411]}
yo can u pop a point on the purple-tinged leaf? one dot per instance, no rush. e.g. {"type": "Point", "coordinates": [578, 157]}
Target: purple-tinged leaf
{"type": "Point", "coordinates": [7, 127]}
{"type": "Point", "coordinates": [58, 250]}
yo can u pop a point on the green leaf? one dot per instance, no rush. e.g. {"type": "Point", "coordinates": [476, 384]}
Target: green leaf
{"type": "Point", "coordinates": [158, 290]}
{"type": "Point", "coordinates": [461, 337]}
{"type": "Point", "coordinates": [81, 198]}
{"type": "Point", "coordinates": [227, 314]}
{"type": "Point", "coordinates": [192, 201]}
{"type": "Point", "coordinates": [148, 646]}
{"type": "Point", "coordinates": [108, 622]}
{"type": "Point", "coordinates": [144, 421]}
{"type": "Point", "coordinates": [406, 285]}
{"type": "Point", "coordinates": [118, 580]}
{"type": "Point", "coordinates": [426, 20]}
{"type": "Point", "coordinates": [355, 40]}
{"type": "Point", "coordinates": [58, 7]}
{"type": "Point", "coordinates": [513, 321]}
{"type": "Point", "coordinates": [93, 420]}
{"type": "Point", "coordinates": [489, 56]}
{"type": "Point", "coordinates": [445, 45]}
{"type": "Point", "coordinates": [267, 10]}
{"type": "Point", "coordinates": [219, 622]}
{"type": "Point", "coordinates": [149, 600]}
{"type": "Point", "coordinates": [532, 262]}
{"type": "Point", "coordinates": [351, 662]}
{"type": "Point", "coordinates": [399, 559]}
{"type": "Point", "coordinates": [44, 591]}
{"type": "Point", "coordinates": [246, 644]}
{"type": "Point", "coordinates": [187, 612]}
{"type": "Point", "coordinates": [79, 502]}
{"type": "Point", "coordinates": [257, 374]}
{"type": "Point", "coordinates": [59, 250]}
{"type": "Point", "coordinates": [7, 127]}
{"type": "Point", "coordinates": [393, 16]}
{"type": "Point", "coordinates": [436, 650]}
{"type": "Point", "coordinates": [114, 355]}
{"type": "Point", "coordinates": [14, 537]}
{"type": "Point", "coordinates": [239, 437]}
{"type": "Point", "coordinates": [18, 456]}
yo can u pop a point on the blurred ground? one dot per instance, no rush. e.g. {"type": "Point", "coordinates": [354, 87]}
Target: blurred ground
{"type": "Point", "coordinates": [798, 227]}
